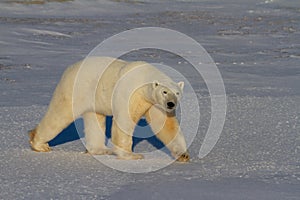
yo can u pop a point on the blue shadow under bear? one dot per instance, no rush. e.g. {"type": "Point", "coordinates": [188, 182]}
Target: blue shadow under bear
{"type": "Point", "coordinates": [75, 131]}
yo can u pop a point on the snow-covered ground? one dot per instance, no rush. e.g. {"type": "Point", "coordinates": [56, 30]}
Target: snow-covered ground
{"type": "Point", "coordinates": [256, 45]}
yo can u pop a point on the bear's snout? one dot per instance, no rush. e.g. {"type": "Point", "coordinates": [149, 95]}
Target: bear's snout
{"type": "Point", "coordinates": [170, 105]}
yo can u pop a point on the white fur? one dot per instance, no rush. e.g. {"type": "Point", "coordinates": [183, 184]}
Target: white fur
{"type": "Point", "coordinates": [101, 86]}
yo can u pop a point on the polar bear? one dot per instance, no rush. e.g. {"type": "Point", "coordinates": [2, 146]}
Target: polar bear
{"type": "Point", "coordinates": [97, 87]}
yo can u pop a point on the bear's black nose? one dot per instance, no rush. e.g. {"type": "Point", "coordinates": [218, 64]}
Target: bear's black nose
{"type": "Point", "coordinates": [170, 104]}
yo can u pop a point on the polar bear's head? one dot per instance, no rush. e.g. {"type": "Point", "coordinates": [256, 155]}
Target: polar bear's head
{"type": "Point", "coordinates": [167, 96]}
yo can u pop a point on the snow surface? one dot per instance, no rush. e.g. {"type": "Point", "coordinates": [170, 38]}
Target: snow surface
{"type": "Point", "coordinates": [256, 45]}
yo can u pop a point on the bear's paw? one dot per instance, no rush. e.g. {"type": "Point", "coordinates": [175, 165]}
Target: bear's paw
{"type": "Point", "coordinates": [185, 157]}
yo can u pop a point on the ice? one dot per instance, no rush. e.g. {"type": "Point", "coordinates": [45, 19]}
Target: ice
{"type": "Point", "coordinates": [256, 47]}
{"type": "Point", "coordinates": [46, 32]}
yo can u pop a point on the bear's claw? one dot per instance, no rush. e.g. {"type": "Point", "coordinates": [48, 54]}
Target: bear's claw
{"type": "Point", "coordinates": [185, 157]}
{"type": "Point", "coordinates": [41, 147]}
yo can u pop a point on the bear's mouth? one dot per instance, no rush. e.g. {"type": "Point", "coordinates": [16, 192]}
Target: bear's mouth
{"type": "Point", "coordinates": [166, 108]}
{"type": "Point", "coordinates": [170, 110]}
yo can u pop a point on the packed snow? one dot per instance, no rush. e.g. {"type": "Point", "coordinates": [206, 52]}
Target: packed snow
{"type": "Point", "coordinates": [256, 46]}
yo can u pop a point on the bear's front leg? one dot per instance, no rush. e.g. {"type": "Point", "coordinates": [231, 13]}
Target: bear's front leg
{"type": "Point", "coordinates": [172, 137]}
{"type": "Point", "coordinates": [123, 144]}
{"type": "Point", "coordinates": [166, 127]}
{"type": "Point", "coordinates": [124, 123]}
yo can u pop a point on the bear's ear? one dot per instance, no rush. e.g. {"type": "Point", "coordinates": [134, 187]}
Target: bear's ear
{"type": "Point", "coordinates": [181, 85]}
{"type": "Point", "coordinates": [155, 84]}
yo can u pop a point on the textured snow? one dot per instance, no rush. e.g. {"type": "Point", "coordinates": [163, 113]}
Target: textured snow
{"type": "Point", "coordinates": [256, 47]}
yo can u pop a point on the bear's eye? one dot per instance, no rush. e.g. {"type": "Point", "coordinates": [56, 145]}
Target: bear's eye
{"type": "Point", "coordinates": [177, 93]}
{"type": "Point", "coordinates": [165, 92]}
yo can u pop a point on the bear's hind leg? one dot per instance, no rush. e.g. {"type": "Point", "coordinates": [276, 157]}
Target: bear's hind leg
{"type": "Point", "coordinates": [51, 125]}
{"type": "Point", "coordinates": [94, 128]}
